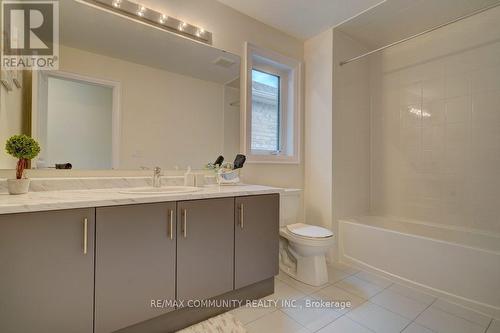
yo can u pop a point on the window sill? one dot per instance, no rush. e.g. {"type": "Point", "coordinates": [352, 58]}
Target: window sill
{"type": "Point", "coordinates": [272, 159]}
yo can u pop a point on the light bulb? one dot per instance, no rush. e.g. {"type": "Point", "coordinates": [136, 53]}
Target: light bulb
{"type": "Point", "coordinates": [182, 26]}
{"type": "Point", "coordinates": [141, 11]}
{"type": "Point", "coordinates": [163, 18]}
{"type": "Point", "coordinates": [117, 3]}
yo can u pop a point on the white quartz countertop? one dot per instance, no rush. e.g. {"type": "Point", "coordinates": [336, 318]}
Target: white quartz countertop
{"type": "Point", "coordinates": [70, 199]}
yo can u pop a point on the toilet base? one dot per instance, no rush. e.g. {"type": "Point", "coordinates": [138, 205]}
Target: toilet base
{"type": "Point", "coordinates": [309, 270]}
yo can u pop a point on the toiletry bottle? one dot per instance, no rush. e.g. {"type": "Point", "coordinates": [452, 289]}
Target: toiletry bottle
{"type": "Point", "coordinates": [189, 178]}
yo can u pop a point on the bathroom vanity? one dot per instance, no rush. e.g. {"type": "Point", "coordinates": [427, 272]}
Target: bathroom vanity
{"type": "Point", "coordinates": [75, 264]}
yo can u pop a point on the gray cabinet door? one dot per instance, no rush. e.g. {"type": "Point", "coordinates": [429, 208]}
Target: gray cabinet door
{"type": "Point", "coordinates": [46, 278]}
{"type": "Point", "coordinates": [135, 263]}
{"type": "Point", "coordinates": [256, 239]}
{"type": "Point", "coordinates": [205, 248]}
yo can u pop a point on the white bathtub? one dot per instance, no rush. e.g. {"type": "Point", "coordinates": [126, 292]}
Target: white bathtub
{"type": "Point", "coordinates": [462, 266]}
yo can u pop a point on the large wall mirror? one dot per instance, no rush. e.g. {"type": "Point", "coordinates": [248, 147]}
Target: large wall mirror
{"type": "Point", "coordinates": [126, 96]}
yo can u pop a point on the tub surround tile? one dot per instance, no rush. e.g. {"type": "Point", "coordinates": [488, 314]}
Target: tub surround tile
{"type": "Point", "coordinates": [444, 322]}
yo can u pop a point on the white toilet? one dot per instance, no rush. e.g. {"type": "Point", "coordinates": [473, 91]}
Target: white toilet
{"type": "Point", "coordinates": [302, 246]}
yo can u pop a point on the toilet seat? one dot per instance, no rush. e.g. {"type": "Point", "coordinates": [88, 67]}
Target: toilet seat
{"type": "Point", "coordinates": [309, 231]}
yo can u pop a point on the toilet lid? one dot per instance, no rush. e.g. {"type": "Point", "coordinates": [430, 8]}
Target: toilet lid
{"type": "Point", "coordinates": [310, 231]}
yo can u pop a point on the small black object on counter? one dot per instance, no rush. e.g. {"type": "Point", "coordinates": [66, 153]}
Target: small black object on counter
{"type": "Point", "coordinates": [239, 161]}
{"type": "Point", "coordinates": [64, 166]}
{"type": "Point", "coordinates": [219, 160]}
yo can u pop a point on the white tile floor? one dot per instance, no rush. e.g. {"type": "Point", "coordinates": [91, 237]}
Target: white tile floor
{"type": "Point", "coordinates": [378, 305]}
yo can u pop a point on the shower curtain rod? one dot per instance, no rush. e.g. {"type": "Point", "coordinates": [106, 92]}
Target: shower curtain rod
{"type": "Point", "coordinates": [342, 63]}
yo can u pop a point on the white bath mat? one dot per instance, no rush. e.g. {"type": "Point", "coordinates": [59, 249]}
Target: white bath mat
{"type": "Point", "coordinates": [225, 323]}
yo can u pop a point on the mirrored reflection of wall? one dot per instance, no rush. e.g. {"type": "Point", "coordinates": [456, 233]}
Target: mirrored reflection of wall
{"type": "Point", "coordinates": [15, 113]}
{"type": "Point", "coordinates": [78, 122]}
{"type": "Point", "coordinates": [167, 119]}
{"type": "Point", "coordinates": [231, 120]}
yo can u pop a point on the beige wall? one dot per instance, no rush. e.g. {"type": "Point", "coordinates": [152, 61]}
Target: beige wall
{"type": "Point", "coordinates": [230, 31]}
{"type": "Point", "coordinates": [318, 55]}
{"type": "Point", "coordinates": [436, 126]}
{"type": "Point", "coordinates": [337, 134]}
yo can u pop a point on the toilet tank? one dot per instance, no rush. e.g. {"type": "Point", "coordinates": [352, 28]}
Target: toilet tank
{"type": "Point", "coordinates": [291, 207]}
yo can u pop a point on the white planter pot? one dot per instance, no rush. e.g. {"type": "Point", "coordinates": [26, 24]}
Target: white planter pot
{"type": "Point", "coordinates": [18, 186]}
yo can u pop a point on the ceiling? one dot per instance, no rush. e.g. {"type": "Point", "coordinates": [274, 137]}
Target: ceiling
{"type": "Point", "coordinates": [377, 27]}
{"type": "Point", "coordinates": [301, 18]}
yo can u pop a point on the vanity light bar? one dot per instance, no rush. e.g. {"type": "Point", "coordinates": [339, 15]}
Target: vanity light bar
{"type": "Point", "coordinates": [160, 20]}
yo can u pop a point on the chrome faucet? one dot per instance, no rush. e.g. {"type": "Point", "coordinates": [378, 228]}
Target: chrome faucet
{"type": "Point", "coordinates": [157, 177]}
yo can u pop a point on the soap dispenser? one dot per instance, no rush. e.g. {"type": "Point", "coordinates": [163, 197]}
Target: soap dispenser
{"type": "Point", "coordinates": [189, 178]}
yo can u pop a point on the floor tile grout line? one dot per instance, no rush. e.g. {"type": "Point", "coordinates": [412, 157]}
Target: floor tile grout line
{"type": "Point", "coordinates": [265, 314]}
{"type": "Point", "coordinates": [411, 298]}
{"type": "Point", "coordinates": [434, 301]}
{"type": "Point", "coordinates": [415, 320]}
{"type": "Point", "coordinates": [366, 300]}
{"type": "Point", "coordinates": [458, 316]}
{"type": "Point", "coordinates": [399, 314]}
{"type": "Point", "coordinates": [381, 277]}
{"type": "Point", "coordinates": [351, 293]}
{"type": "Point", "coordinates": [357, 322]}
{"type": "Point", "coordinates": [286, 314]}
{"type": "Point", "coordinates": [346, 315]}
{"type": "Point", "coordinates": [305, 292]}
{"type": "Point", "coordinates": [489, 325]}
{"type": "Point", "coordinates": [330, 285]}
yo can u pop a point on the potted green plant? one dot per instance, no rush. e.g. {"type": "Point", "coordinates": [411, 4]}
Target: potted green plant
{"type": "Point", "coordinates": [24, 149]}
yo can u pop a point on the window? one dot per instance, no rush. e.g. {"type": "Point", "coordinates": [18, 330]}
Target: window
{"type": "Point", "coordinates": [272, 107]}
{"type": "Point", "coordinates": [266, 112]}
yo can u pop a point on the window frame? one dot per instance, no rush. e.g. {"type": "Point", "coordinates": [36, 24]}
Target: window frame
{"type": "Point", "coordinates": [289, 72]}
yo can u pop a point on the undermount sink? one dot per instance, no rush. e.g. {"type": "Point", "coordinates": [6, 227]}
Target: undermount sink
{"type": "Point", "coordinates": [161, 190]}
